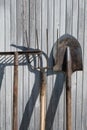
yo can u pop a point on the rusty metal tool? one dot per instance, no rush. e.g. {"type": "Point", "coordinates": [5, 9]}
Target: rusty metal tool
{"type": "Point", "coordinates": [15, 93]}
{"type": "Point", "coordinates": [43, 82]}
{"type": "Point", "coordinates": [40, 67]}
{"type": "Point", "coordinates": [28, 52]}
{"type": "Point", "coordinates": [67, 56]}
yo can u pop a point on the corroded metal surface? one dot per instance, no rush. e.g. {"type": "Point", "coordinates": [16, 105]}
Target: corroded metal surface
{"type": "Point", "coordinates": [35, 51]}
{"type": "Point", "coordinates": [59, 53]}
{"type": "Point", "coordinates": [67, 56]}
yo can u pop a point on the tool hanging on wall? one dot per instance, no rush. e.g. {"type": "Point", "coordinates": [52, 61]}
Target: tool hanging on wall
{"type": "Point", "coordinates": [67, 56]}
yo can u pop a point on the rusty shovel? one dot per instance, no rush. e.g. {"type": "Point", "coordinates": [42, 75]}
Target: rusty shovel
{"type": "Point", "coordinates": [67, 56]}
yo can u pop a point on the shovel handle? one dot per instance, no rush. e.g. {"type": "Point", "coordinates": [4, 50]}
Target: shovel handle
{"type": "Point", "coordinates": [42, 100]}
{"type": "Point", "coordinates": [68, 108]}
{"type": "Point", "coordinates": [68, 91]}
{"type": "Point", "coordinates": [15, 93]}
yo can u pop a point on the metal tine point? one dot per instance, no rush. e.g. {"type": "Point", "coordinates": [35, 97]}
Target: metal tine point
{"type": "Point", "coordinates": [28, 45]}
{"type": "Point", "coordinates": [57, 40]}
{"type": "Point", "coordinates": [37, 39]}
{"type": "Point", "coordinates": [57, 36]}
{"type": "Point", "coordinates": [37, 45]}
{"type": "Point", "coordinates": [47, 44]}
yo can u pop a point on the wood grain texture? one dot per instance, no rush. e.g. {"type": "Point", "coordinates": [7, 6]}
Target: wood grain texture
{"type": "Point", "coordinates": [2, 79]}
{"type": "Point", "coordinates": [74, 75]}
{"type": "Point", "coordinates": [84, 112]}
{"type": "Point", "coordinates": [79, 97]}
{"type": "Point", "coordinates": [15, 94]}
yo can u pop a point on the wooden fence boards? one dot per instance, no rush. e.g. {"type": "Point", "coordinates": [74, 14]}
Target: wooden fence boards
{"type": "Point", "coordinates": [18, 17]}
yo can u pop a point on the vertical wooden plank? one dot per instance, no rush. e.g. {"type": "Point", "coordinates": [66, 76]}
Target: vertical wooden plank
{"type": "Point", "coordinates": [43, 23]}
{"type": "Point", "coordinates": [80, 74]}
{"type": "Point", "coordinates": [12, 41]}
{"type": "Point", "coordinates": [8, 68]}
{"type": "Point", "coordinates": [19, 42]}
{"type": "Point", "coordinates": [13, 23]}
{"type": "Point", "coordinates": [2, 2]}
{"type": "Point", "coordinates": [2, 80]}
{"type": "Point", "coordinates": [3, 104]}
{"type": "Point", "coordinates": [37, 95]}
{"type": "Point", "coordinates": [32, 75]}
{"type": "Point", "coordinates": [62, 26]}
{"type": "Point", "coordinates": [32, 23]}
{"type": "Point", "coordinates": [74, 81]}
{"type": "Point", "coordinates": [62, 23]}
{"type": "Point", "coordinates": [84, 112]}
{"type": "Point", "coordinates": [25, 22]}
{"type": "Point", "coordinates": [56, 20]}
{"type": "Point", "coordinates": [50, 22]}
{"type": "Point", "coordinates": [25, 29]}
{"type": "Point", "coordinates": [38, 20]}
{"type": "Point", "coordinates": [69, 16]}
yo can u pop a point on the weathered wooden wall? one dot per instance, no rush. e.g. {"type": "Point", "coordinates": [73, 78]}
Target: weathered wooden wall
{"type": "Point", "coordinates": [19, 16]}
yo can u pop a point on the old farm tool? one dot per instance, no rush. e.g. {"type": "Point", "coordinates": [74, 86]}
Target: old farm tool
{"type": "Point", "coordinates": [15, 84]}
{"type": "Point", "coordinates": [67, 57]}
{"type": "Point", "coordinates": [15, 80]}
{"type": "Point", "coordinates": [40, 67]}
{"type": "Point", "coordinates": [15, 92]}
{"type": "Point", "coordinates": [43, 100]}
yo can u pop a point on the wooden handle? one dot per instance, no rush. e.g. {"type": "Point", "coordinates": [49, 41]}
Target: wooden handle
{"type": "Point", "coordinates": [68, 91]}
{"type": "Point", "coordinates": [15, 93]}
{"type": "Point", "coordinates": [68, 109]}
{"type": "Point", "coordinates": [43, 101]}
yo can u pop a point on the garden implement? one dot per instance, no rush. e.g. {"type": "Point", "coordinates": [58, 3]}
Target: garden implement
{"type": "Point", "coordinates": [67, 57]}
{"type": "Point", "coordinates": [40, 67]}
{"type": "Point", "coordinates": [15, 93]}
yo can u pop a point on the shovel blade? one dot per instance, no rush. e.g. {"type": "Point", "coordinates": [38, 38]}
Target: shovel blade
{"type": "Point", "coordinates": [59, 55]}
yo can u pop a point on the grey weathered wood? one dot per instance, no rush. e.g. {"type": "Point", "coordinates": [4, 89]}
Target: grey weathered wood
{"type": "Point", "coordinates": [74, 80]}
{"type": "Point", "coordinates": [62, 26]}
{"type": "Point", "coordinates": [84, 112]}
{"type": "Point", "coordinates": [8, 69]}
{"type": "Point", "coordinates": [19, 41]}
{"type": "Point", "coordinates": [37, 95]}
{"type": "Point", "coordinates": [13, 23]}
{"type": "Point", "coordinates": [19, 16]}
{"type": "Point", "coordinates": [50, 9]}
{"type": "Point", "coordinates": [79, 98]}
{"type": "Point", "coordinates": [2, 79]}
{"type": "Point", "coordinates": [56, 20]}
{"type": "Point", "coordinates": [33, 74]}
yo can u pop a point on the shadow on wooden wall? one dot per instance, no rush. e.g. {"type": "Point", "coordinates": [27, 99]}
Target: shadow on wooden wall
{"type": "Point", "coordinates": [54, 100]}
{"type": "Point", "coordinates": [56, 93]}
